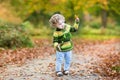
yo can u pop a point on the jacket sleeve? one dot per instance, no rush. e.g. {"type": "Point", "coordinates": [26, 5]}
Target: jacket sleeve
{"type": "Point", "coordinates": [55, 39]}
{"type": "Point", "coordinates": [75, 27]}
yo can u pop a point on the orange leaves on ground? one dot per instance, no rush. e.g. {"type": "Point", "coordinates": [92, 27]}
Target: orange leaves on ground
{"type": "Point", "coordinates": [110, 61]}
{"type": "Point", "coordinates": [105, 53]}
{"type": "Point", "coordinates": [19, 56]}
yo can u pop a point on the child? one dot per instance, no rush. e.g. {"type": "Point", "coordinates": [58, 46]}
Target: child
{"type": "Point", "coordinates": [62, 42]}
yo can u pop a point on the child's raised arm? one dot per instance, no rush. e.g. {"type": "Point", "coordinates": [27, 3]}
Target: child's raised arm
{"type": "Point", "coordinates": [75, 27]}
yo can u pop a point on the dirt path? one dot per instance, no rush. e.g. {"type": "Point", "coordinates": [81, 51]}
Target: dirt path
{"type": "Point", "coordinates": [44, 69]}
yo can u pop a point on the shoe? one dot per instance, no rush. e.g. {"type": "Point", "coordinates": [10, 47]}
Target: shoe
{"type": "Point", "coordinates": [59, 73]}
{"type": "Point", "coordinates": [66, 72]}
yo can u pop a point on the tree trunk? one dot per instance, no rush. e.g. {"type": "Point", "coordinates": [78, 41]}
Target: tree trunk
{"type": "Point", "coordinates": [104, 18]}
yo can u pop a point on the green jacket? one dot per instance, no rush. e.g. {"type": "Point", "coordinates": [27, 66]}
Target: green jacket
{"type": "Point", "coordinates": [63, 37]}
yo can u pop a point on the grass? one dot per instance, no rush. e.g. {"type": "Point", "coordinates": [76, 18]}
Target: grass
{"type": "Point", "coordinates": [85, 36]}
{"type": "Point", "coordinates": [97, 37]}
{"type": "Point", "coordinates": [98, 34]}
{"type": "Point", "coordinates": [87, 32]}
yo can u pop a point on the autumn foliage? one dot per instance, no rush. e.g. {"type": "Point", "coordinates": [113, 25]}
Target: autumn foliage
{"type": "Point", "coordinates": [110, 65]}
{"type": "Point", "coordinates": [106, 53]}
{"type": "Point", "coordinates": [21, 55]}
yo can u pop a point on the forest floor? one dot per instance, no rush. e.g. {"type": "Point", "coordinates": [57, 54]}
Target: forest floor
{"type": "Point", "coordinates": [89, 61]}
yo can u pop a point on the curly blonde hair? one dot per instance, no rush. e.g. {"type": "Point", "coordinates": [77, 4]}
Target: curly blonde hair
{"type": "Point", "coordinates": [56, 18]}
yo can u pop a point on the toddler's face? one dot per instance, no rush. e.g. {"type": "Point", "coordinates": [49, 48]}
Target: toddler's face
{"type": "Point", "coordinates": [60, 24]}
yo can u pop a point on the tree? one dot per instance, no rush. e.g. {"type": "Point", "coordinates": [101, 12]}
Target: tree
{"type": "Point", "coordinates": [41, 10]}
{"type": "Point", "coordinates": [37, 10]}
{"type": "Point", "coordinates": [104, 8]}
{"type": "Point", "coordinates": [98, 7]}
{"type": "Point", "coordinates": [114, 9]}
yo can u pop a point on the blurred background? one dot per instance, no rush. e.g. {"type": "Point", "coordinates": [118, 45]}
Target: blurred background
{"type": "Point", "coordinates": [23, 20]}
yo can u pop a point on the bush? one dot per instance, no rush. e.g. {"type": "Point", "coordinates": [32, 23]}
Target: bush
{"type": "Point", "coordinates": [96, 25]}
{"type": "Point", "coordinates": [12, 36]}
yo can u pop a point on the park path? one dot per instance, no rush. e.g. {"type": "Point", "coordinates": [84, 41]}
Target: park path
{"type": "Point", "coordinates": [44, 69]}
{"type": "Point", "coordinates": [82, 67]}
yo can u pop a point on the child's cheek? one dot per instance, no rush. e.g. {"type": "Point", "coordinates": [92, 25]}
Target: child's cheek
{"type": "Point", "coordinates": [60, 26]}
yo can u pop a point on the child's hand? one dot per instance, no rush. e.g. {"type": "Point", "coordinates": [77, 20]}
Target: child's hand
{"type": "Point", "coordinates": [77, 19]}
{"type": "Point", "coordinates": [58, 47]}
